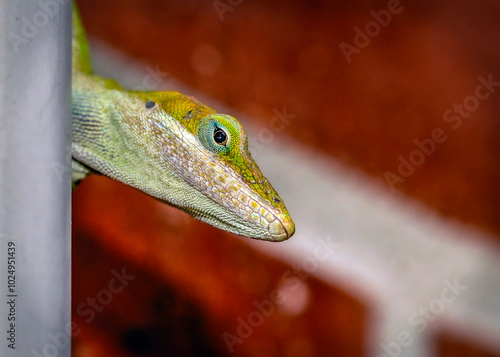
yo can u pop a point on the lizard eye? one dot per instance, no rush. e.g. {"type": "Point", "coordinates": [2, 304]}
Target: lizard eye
{"type": "Point", "coordinates": [150, 104]}
{"type": "Point", "coordinates": [218, 133]}
{"type": "Point", "coordinates": [220, 136]}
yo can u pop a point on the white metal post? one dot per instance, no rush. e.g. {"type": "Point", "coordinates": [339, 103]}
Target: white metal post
{"type": "Point", "coordinates": [35, 189]}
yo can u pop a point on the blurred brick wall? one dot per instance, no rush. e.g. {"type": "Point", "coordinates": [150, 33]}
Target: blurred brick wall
{"type": "Point", "coordinates": [366, 113]}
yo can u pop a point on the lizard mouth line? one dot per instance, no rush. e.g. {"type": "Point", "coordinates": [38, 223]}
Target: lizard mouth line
{"type": "Point", "coordinates": [238, 225]}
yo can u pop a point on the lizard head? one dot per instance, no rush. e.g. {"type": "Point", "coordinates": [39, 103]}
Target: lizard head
{"type": "Point", "coordinates": [174, 148]}
{"type": "Point", "coordinates": [215, 179]}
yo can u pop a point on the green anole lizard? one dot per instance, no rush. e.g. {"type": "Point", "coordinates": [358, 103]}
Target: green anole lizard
{"type": "Point", "coordinates": [173, 148]}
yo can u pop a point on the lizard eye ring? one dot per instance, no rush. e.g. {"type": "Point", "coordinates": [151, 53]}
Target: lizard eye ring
{"type": "Point", "coordinates": [219, 133]}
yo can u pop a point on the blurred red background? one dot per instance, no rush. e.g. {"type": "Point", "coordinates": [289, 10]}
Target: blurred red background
{"type": "Point", "coordinates": [366, 110]}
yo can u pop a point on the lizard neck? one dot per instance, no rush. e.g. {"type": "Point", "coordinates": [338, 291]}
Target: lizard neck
{"type": "Point", "coordinates": [110, 135]}
{"type": "Point", "coordinates": [95, 139]}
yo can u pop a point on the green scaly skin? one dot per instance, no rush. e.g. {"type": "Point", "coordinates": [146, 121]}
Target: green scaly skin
{"type": "Point", "coordinates": [171, 147]}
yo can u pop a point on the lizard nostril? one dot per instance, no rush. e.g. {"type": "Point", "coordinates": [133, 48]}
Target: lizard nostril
{"type": "Point", "coordinates": [276, 200]}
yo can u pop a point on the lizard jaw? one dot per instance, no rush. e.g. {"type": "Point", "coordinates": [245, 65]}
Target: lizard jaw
{"type": "Point", "coordinates": [283, 231]}
{"type": "Point", "coordinates": [279, 230]}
